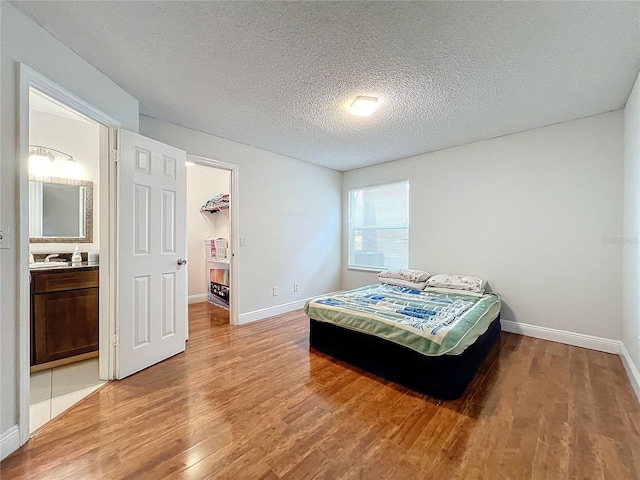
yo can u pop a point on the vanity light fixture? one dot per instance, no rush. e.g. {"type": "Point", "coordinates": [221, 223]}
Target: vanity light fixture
{"type": "Point", "coordinates": [364, 106]}
{"type": "Point", "coordinates": [40, 153]}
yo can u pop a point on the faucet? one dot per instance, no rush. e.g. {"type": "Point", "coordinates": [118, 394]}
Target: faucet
{"type": "Point", "coordinates": [49, 257]}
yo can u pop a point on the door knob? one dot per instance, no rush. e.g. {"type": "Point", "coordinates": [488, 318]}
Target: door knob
{"type": "Point", "coordinates": [182, 262]}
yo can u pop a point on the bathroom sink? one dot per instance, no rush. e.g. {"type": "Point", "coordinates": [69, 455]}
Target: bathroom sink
{"type": "Point", "coordinates": [48, 264]}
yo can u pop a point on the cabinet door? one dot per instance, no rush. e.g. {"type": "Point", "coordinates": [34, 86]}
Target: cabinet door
{"type": "Point", "coordinates": [65, 324]}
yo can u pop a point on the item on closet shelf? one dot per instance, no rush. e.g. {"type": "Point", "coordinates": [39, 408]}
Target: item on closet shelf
{"type": "Point", "coordinates": [221, 248]}
{"type": "Point", "coordinates": [93, 257]}
{"type": "Point", "coordinates": [216, 203]}
{"type": "Point", "coordinates": [31, 259]}
{"type": "Point", "coordinates": [210, 248]}
{"type": "Point", "coordinates": [215, 248]}
{"type": "Point", "coordinates": [76, 258]}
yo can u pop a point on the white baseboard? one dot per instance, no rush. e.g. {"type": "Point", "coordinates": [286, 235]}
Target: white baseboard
{"type": "Point", "coordinates": [632, 371]}
{"type": "Point", "coordinates": [562, 336]}
{"type": "Point", "coordinates": [256, 315]}
{"type": "Point", "coordinates": [9, 441]}
{"type": "Point", "coordinates": [579, 340]}
{"type": "Point", "coordinates": [199, 298]}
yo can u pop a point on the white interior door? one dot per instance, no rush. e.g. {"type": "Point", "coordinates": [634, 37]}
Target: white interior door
{"type": "Point", "coordinates": [152, 280]}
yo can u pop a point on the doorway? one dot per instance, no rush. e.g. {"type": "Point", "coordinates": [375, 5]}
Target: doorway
{"type": "Point", "coordinates": [142, 190]}
{"type": "Point", "coordinates": [64, 218]}
{"type": "Point", "coordinates": [211, 236]}
{"type": "Point", "coordinates": [33, 85]}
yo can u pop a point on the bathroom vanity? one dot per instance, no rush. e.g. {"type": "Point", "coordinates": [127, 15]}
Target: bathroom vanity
{"type": "Point", "coordinates": [64, 314]}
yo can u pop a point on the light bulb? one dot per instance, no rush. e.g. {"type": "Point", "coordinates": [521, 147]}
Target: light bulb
{"type": "Point", "coordinates": [364, 106]}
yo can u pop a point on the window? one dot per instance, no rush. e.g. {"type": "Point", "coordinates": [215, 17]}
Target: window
{"type": "Point", "coordinates": [379, 226]}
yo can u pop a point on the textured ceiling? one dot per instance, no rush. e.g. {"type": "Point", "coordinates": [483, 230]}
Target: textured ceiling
{"type": "Point", "coordinates": [281, 75]}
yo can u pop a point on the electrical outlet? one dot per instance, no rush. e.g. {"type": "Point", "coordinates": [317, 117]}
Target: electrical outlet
{"type": "Point", "coordinates": [275, 291]}
{"type": "Point", "coordinates": [243, 241]}
{"type": "Point", "coordinates": [295, 287]}
{"type": "Point", "coordinates": [4, 236]}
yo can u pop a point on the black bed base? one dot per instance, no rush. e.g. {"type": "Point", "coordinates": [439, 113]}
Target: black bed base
{"type": "Point", "coordinates": [445, 377]}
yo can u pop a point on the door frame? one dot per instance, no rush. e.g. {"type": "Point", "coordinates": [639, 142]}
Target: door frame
{"type": "Point", "coordinates": [234, 225]}
{"type": "Point", "coordinates": [29, 78]}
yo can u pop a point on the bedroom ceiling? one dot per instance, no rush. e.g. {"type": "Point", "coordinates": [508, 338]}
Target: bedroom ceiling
{"type": "Point", "coordinates": [281, 75]}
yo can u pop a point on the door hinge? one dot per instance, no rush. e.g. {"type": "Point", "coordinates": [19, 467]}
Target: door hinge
{"type": "Point", "coordinates": [115, 155]}
{"type": "Point", "coordinates": [114, 340]}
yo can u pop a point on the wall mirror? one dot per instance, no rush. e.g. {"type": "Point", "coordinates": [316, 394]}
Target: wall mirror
{"type": "Point", "coordinates": [60, 210]}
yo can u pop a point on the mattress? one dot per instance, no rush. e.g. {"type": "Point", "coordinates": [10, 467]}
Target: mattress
{"type": "Point", "coordinates": [430, 323]}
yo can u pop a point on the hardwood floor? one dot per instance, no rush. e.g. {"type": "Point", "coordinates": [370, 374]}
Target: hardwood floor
{"type": "Point", "coordinates": [253, 402]}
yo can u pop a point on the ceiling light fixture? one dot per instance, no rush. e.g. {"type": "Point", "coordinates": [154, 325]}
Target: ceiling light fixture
{"type": "Point", "coordinates": [364, 106]}
{"type": "Point", "coordinates": [189, 163]}
{"type": "Point", "coordinates": [38, 152]}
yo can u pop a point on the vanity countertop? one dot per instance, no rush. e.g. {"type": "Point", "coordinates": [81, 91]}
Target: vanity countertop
{"type": "Point", "coordinates": [68, 266]}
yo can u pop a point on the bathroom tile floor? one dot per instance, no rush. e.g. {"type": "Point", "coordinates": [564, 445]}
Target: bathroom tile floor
{"type": "Point", "coordinates": [53, 391]}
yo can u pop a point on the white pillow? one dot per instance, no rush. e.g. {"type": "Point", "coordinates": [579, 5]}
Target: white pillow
{"type": "Point", "coordinates": [466, 283]}
{"type": "Point", "coordinates": [403, 283]}
{"type": "Point", "coordinates": [407, 274]}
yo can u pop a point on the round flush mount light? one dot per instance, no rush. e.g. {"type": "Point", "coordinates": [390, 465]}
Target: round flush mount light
{"type": "Point", "coordinates": [364, 106]}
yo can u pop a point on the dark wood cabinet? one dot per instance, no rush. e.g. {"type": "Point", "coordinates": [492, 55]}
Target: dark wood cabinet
{"type": "Point", "coordinates": [64, 313]}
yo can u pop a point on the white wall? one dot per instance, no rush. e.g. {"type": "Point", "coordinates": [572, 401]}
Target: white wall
{"type": "Point", "coordinates": [631, 235]}
{"type": "Point", "coordinates": [202, 184]}
{"type": "Point", "coordinates": [22, 40]}
{"type": "Point", "coordinates": [81, 140]}
{"type": "Point", "coordinates": [536, 213]}
{"type": "Point", "coordinates": [289, 213]}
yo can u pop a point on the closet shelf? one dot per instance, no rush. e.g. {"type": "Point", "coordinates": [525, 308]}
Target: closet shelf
{"type": "Point", "coordinates": [216, 203]}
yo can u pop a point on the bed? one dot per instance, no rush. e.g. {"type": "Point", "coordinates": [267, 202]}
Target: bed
{"type": "Point", "coordinates": [430, 341]}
